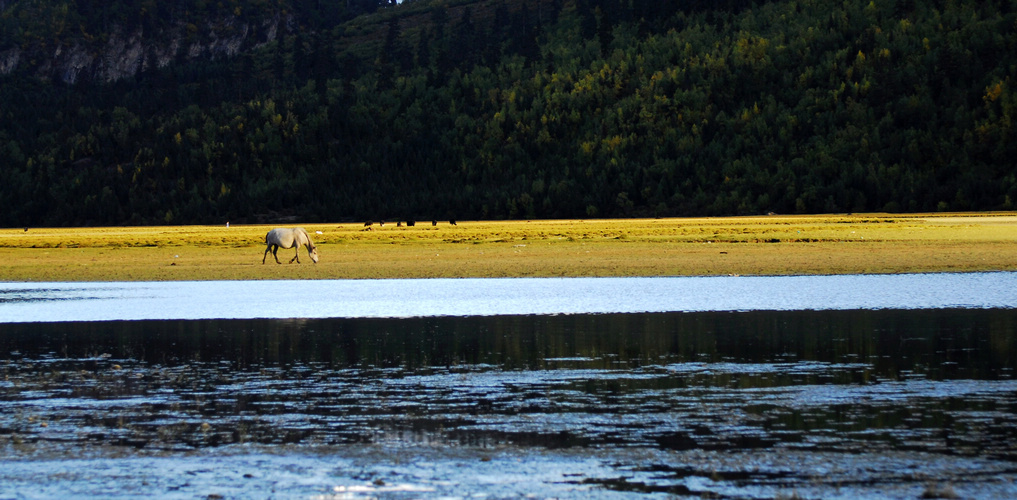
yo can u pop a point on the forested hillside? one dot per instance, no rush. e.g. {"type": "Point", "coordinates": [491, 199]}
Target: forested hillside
{"type": "Point", "coordinates": [328, 110]}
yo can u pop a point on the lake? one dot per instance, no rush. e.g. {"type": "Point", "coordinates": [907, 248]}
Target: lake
{"type": "Point", "coordinates": [176, 300]}
{"type": "Point", "coordinates": [821, 387]}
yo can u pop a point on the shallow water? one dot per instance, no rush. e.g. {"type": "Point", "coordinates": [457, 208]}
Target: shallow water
{"type": "Point", "coordinates": [21, 302]}
{"type": "Point", "coordinates": [753, 404]}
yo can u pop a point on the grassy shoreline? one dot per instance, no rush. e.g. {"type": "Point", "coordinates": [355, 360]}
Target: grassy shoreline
{"type": "Point", "coordinates": [764, 245]}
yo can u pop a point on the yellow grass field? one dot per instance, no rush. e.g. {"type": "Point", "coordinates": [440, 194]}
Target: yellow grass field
{"type": "Point", "coordinates": [764, 245]}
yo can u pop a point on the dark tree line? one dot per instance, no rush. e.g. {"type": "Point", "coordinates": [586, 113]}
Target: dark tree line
{"type": "Point", "coordinates": [539, 108]}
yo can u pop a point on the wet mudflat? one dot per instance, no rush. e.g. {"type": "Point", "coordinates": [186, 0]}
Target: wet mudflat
{"type": "Point", "coordinates": [764, 404]}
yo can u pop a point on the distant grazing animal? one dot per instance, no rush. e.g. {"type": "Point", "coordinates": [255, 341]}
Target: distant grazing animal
{"type": "Point", "coordinates": [434, 222]}
{"type": "Point", "coordinates": [411, 223]}
{"type": "Point", "coordinates": [289, 237]}
{"type": "Point", "coordinates": [452, 222]}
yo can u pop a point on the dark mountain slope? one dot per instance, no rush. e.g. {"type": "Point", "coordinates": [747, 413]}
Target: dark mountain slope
{"type": "Point", "coordinates": [498, 108]}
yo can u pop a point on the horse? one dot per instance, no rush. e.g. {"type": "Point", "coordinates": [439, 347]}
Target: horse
{"type": "Point", "coordinates": [289, 237]}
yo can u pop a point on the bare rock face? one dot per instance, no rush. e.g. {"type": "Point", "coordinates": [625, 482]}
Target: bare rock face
{"type": "Point", "coordinates": [124, 55]}
{"type": "Point", "coordinates": [9, 60]}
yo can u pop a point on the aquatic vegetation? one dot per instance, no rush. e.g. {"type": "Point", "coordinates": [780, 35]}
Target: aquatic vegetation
{"type": "Point", "coordinates": [884, 404]}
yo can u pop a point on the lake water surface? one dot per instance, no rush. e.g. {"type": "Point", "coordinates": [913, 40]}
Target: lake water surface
{"type": "Point", "coordinates": [20, 302]}
{"type": "Point", "coordinates": [824, 387]}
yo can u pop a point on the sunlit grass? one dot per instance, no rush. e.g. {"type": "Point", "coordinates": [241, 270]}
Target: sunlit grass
{"type": "Point", "coordinates": [864, 243]}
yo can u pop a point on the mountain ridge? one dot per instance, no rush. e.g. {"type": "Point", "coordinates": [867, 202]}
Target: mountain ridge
{"type": "Point", "coordinates": [517, 109]}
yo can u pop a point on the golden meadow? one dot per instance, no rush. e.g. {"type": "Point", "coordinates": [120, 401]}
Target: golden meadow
{"type": "Point", "coordinates": [764, 245]}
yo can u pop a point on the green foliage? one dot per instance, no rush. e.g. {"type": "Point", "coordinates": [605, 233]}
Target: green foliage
{"type": "Point", "coordinates": [521, 109]}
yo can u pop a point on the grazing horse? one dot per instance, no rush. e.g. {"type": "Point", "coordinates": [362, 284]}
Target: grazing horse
{"type": "Point", "coordinates": [289, 237]}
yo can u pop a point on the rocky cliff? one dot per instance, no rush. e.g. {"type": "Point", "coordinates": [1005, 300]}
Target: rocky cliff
{"type": "Point", "coordinates": [125, 53]}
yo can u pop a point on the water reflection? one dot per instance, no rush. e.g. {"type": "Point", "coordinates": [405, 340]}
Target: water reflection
{"type": "Point", "coordinates": [854, 384]}
{"type": "Point", "coordinates": [891, 344]}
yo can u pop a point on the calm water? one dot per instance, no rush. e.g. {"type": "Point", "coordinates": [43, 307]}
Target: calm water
{"type": "Point", "coordinates": [21, 302]}
{"type": "Point", "coordinates": [820, 396]}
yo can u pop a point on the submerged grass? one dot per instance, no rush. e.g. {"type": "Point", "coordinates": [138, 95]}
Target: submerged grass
{"type": "Point", "coordinates": [770, 245]}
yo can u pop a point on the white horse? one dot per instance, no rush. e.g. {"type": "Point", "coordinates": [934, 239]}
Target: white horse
{"type": "Point", "coordinates": [289, 237]}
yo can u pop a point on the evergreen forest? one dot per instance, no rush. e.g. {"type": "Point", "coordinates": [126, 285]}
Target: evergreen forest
{"type": "Point", "coordinates": [491, 109]}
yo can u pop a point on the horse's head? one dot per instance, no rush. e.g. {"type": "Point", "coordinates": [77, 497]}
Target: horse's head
{"type": "Point", "coordinates": [313, 252]}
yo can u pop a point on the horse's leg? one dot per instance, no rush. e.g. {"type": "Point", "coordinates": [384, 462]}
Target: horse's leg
{"type": "Point", "coordinates": [275, 253]}
{"type": "Point", "coordinates": [263, 257]}
{"type": "Point", "coordinates": [297, 256]}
